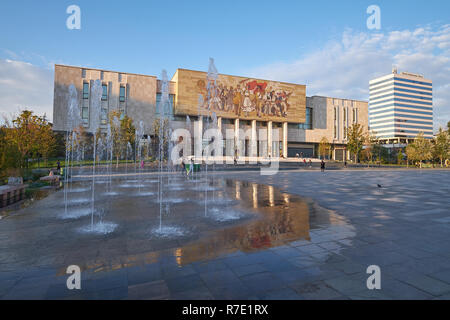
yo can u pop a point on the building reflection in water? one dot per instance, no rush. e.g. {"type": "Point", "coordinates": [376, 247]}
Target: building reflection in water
{"type": "Point", "coordinates": [281, 218]}
{"type": "Point", "coordinates": [255, 195]}
{"type": "Point", "coordinates": [271, 196]}
{"type": "Point", "coordinates": [272, 218]}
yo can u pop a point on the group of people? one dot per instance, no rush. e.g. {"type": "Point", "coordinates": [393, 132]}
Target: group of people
{"type": "Point", "coordinates": [248, 96]}
{"type": "Point", "coordinates": [187, 166]}
{"type": "Point", "coordinates": [322, 162]}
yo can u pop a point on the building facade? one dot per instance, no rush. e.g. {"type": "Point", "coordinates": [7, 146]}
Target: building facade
{"type": "Point", "coordinates": [267, 118]}
{"type": "Point", "coordinates": [400, 107]}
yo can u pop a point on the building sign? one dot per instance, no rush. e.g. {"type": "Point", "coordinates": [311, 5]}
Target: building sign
{"type": "Point", "coordinates": [238, 97]}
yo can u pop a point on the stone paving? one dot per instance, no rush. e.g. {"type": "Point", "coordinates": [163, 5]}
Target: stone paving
{"type": "Point", "coordinates": [403, 227]}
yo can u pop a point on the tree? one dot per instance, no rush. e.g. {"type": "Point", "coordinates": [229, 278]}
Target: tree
{"type": "Point", "coordinates": [369, 147]}
{"type": "Point", "coordinates": [31, 135]}
{"type": "Point", "coordinates": [399, 156]}
{"type": "Point", "coordinates": [122, 131]}
{"type": "Point", "coordinates": [421, 149]}
{"type": "Point", "coordinates": [411, 153]}
{"type": "Point", "coordinates": [324, 147]}
{"type": "Point", "coordinates": [356, 138]}
{"type": "Point", "coordinates": [441, 147]}
{"type": "Point", "coordinates": [46, 139]}
{"type": "Point", "coordinates": [164, 132]}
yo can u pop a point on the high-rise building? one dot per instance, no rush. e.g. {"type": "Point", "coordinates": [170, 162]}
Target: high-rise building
{"type": "Point", "coordinates": [400, 107]}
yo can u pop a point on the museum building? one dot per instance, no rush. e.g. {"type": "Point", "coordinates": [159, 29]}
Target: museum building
{"type": "Point", "coordinates": [268, 118]}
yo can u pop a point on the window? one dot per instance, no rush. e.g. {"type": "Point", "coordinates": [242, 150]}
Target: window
{"type": "Point", "coordinates": [171, 103]}
{"type": "Point", "coordinates": [85, 90]}
{"type": "Point", "coordinates": [104, 92]}
{"type": "Point", "coordinates": [345, 123]}
{"type": "Point", "coordinates": [308, 120]}
{"type": "Point", "coordinates": [102, 75]}
{"type": "Point", "coordinates": [355, 115]}
{"type": "Point", "coordinates": [83, 73]}
{"type": "Point", "coordinates": [104, 115]}
{"type": "Point", "coordinates": [120, 77]}
{"type": "Point", "coordinates": [85, 113]}
{"type": "Point", "coordinates": [122, 94]}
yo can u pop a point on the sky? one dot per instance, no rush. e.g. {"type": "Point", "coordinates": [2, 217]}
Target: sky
{"type": "Point", "coordinates": [323, 44]}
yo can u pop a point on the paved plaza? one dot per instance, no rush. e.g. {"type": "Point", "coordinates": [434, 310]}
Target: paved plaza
{"type": "Point", "coordinates": [298, 234]}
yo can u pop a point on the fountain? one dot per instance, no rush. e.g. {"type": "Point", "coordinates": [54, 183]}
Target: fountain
{"type": "Point", "coordinates": [100, 227]}
{"type": "Point", "coordinates": [73, 121]}
{"type": "Point", "coordinates": [211, 79]}
{"type": "Point", "coordinates": [139, 134]}
{"type": "Point", "coordinates": [164, 138]}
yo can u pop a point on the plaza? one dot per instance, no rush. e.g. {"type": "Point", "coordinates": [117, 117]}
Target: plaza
{"type": "Point", "coordinates": [299, 234]}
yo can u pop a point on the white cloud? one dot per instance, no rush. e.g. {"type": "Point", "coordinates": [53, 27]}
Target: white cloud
{"type": "Point", "coordinates": [25, 86]}
{"type": "Point", "coordinates": [343, 68]}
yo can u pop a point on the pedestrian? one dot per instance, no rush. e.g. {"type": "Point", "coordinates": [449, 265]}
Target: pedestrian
{"type": "Point", "coordinates": [322, 166]}
{"type": "Point", "coordinates": [183, 166]}
{"type": "Point", "coordinates": [191, 166]}
{"type": "Point", "coordinates": [142, 164]}
{"type": "Point", "coordinates": [310, 163]}
{"type": "Point", "coordinates": [304, 162]}
{"type": "Point", "coordinates": [345, 163]}
{"type": "Point", "coordinates": [58, 166]}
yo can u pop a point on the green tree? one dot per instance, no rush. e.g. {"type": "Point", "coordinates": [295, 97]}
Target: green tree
{"type": "Point", "coordinates": [369, 147]}
{"type": "Point", "coordinates": [46, 139]}
{"type": "Point", "coordinates": [399, 156]}
{"type": "Point", "coordinates": [441, 146]}
{"type": "Point", "coordinates": [356, 138]}
{"type": "Point", "coordinates": [411, 153]}
{"type": "Point", "coordinates": [164, 132]}
{"type": "Point", "coordinates": [324, 147]}
{"type": "Point", "coordinates": [423, 149]}
{"type": "Point", "coordinates": [32, 136]}
{"type": "Point", "coordinates": [122, 131]}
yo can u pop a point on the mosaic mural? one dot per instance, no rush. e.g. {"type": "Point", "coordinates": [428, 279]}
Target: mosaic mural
{"type": "Point", "coordinates": [238, 97]}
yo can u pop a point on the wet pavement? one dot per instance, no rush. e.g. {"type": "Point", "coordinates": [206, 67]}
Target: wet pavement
{"type": "Point", "coordinates": [294, 235]}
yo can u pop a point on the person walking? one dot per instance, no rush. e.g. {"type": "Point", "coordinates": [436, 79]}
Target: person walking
{"type": "Point", "coordinates": [322, 166]}
{"type": "Point", "coordinates": [310, 163]}
{"type": "Point", "coordinates": [183, 167]}
{"type": "Point", "coordinates": [58, 166]}
{"type": "Point", "coordinates": [304, 162]}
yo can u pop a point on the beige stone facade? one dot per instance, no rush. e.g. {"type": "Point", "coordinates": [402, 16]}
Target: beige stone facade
{"type": "Point", "coordinates": [140, 93]}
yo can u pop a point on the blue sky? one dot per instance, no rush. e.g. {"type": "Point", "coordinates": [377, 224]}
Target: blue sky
{"type": "Point", "coordinates": [257, 38]}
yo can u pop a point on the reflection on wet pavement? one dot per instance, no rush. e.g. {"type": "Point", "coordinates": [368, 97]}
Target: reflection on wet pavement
{"type": "Point", "coordinates": [240, 218]}
{"type": "Point", "coordinates": [257, 239]}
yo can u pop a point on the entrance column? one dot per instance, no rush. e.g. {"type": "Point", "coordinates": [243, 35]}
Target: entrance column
{"type": "Point", "coordinates": [236, 138]}
{"type": "Point", "coordinates": [219, 123]}
{"type": "Point", "coordinates": [219, 127]}
{"type": "Point", "coordinates": [254, 141]}
{"type": "Point", "coordinates": [269, 138]}
{"type": "Point", "coordinates": [285, 139]}
{"type": "Point", "coordinates": [198, 138]}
